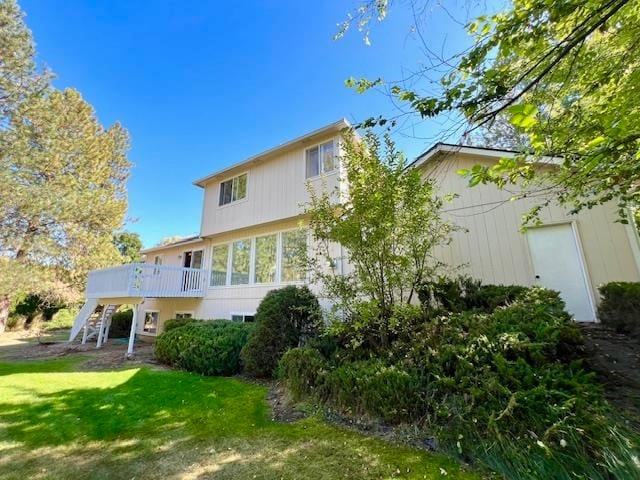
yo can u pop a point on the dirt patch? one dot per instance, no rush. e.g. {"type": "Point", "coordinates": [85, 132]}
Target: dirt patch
{"type": "Point", "coordinates": [31, 346]}
{"type": "Point", "coordinates": [616, 360]}
{"type": "Point", "coordinates": [283, 409]}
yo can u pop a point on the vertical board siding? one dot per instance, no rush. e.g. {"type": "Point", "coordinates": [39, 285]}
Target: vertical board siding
{"type": "Point", "coordinates": [495, 251]}
{"type": "Point", "coordinates": [276, 190]}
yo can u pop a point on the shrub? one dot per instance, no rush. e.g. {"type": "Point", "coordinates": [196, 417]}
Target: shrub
{"type": "Point", "coordinates": [63, 318]}
{"type": "Point", "coordinates": [463, 294]}
{"type": "Point", "coordinates": [15, 322]}
{"type": "Point", "coordinates": [209, 348]}
{"type": "Point", "coordinates": [620, 306]}
{"type": "Point", "coordinates": [178, 322]}
{"type": "Point", "coordinates": [375, 388]}
{"type": "Point", "coordinates": [121, 324]}
{"type": "Point", "coordinates": [285, 318]}
{"type": "Point", "coordinates": [300, 369]}
{"type": "Point", "coordinates": [491, 384]}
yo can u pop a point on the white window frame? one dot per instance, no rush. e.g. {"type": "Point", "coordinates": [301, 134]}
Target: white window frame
{"type": "Point", "coordinates": [157, 262]}
{"type": "Point", "coordinates": [241, 314]}
{"type": "Point", "coordinates": [227, 279]}
{"type": "Point", "coordinates": [305, 278]}
{"type": "Point", "coordinates": [321, 170]}
{"type": "Point", "coordinates": [183, 312]}
{"type": "Point", "coordinates": [144, 317]}
{"type": "Point", "coordinates": [230, 179]}
{"type": "Point", "coordinates": [278, 278]}
{"type": "Point", "coordinates": [253, 259]}
{"type": "Point", "coordinates": [252, 245]}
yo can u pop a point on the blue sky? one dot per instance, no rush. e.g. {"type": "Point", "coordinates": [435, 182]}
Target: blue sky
{"type": "Point", "coordinates": [204, 84]}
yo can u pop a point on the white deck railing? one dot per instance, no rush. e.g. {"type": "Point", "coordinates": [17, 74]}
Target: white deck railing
{"type": "Point", "coordinates": [146, 280]}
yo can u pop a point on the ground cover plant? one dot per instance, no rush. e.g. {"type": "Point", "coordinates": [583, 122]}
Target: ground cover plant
{"type": "Point", "coordinates": [60, 420]}
{"type": "Point", "coordinates": [505, 387]}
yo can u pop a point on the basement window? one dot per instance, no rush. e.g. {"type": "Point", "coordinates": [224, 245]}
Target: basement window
{"type": "Point", "coordinates": [242, 317]}
{"type": "Point", "coordinates": [150, 322]}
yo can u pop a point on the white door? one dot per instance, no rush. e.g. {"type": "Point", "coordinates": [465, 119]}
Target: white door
{"type": "Point", "coordinates": [557, 264]}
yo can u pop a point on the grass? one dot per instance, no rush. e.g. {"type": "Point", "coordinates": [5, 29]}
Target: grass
{"type": "Point", "coordinates": [58, 421]}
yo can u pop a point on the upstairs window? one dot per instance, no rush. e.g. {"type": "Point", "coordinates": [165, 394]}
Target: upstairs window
{"type": "Point", "coordinates": [320, 159]}
{"type": "Point", "coordinates": [233, 189]}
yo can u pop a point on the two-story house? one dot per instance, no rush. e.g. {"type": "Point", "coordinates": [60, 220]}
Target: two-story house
{"type": "Point", "coordinates": [252, 229]}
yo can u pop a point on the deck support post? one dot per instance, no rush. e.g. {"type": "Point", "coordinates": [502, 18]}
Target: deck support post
{"type": "Point", "coordinates": [85, 333]}
{"type": "Point", "coordinates": [132, 334]}
{"type": "Point", "coordinates": [102, 327]}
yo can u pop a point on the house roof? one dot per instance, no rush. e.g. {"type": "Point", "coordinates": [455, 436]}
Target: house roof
{"type": "Point", "coordinates": [301, 140]}
{"type": "Point", "coordinates": [177, 243]}
{"type": "Point", "coordinates": [450, 148]}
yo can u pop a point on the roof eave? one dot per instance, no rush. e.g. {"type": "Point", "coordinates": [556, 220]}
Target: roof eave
{"type": "Point", "coordinates": [332, 127]}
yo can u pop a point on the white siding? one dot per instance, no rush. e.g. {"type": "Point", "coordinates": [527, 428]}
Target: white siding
{"type": "Point", "coordinates": [490, 245]}
{"type": "Point", "coordinates": [276, 190]}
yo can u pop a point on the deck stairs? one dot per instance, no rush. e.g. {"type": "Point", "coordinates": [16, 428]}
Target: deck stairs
{"type": "Point", "coordinates": [95, 320]}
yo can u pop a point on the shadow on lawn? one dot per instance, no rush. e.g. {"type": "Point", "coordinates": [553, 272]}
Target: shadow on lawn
{"type": "Point", "coordinates": [147, 404]}
{"type": "Point", "coordinates": [150, 424]}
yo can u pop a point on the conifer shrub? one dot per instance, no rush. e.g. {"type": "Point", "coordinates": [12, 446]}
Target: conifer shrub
{"type": "Point", "coordinates": [620, 306]}
{"type": "Point", "coordinates": [286, 318]}
{"type": "Point", "coordinates": [209, 348]}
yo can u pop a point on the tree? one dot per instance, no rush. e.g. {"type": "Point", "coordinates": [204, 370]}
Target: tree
{"type": "Point", "coordinates": [62, 177]}
{"type": "Point", "coordinates": [129, 245]}
{"type": "Point", "coordinates": [19, 77]}
{"type": "Point", "coordinates": [388, 225]}
{"type": "Point", "coordinates": [499, 134]}
{"type": "Point", "coordinates": [567, 75]}
{"type": "Point", "coordinates": [169, 240]}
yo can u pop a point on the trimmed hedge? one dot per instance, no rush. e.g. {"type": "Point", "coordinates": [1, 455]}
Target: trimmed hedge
{"type": "Point", "coordinates": [620, 306]}
{"type": "Point", "coordinates": [210, 348]}
{"type": "Point", "coordinates": [285, 318]}
{"type": "Point", "coordinates": [177, 323]}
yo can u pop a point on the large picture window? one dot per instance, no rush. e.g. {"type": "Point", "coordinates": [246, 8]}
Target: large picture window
{"type": "Point", "coordinates": [320, 159]}
{"type": "Point", "coordinates": [240, 261]}
{"type": "Point", "coordinates": [265, 259]}
{"type": "Point", "coordinates": [233, 189]}
{"type": "Point", "coordinates": [219, 265]}
{"type": "Point", "coordinates": [294, 248]}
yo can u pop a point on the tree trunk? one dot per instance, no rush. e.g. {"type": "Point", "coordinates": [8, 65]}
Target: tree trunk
{"type": "Point", "coordinates": [5, 301]}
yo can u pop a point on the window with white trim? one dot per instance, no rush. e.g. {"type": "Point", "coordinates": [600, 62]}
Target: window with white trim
{"type": "Point", "coordinates": [157, 261]}
{"type": "Point", "coordinates": [243, 317]}
{"type": "Point", "coordinates": [183, 315]}
{"type": "Point", "coordinates": [240, 262]}
{"type": "Point", "coordinates": [265, 259]}
{"type": "Point", "coordinates": [219, 262]}
{"type": "Point", "coordinates": [150, 324]}
{"type": "Point", "coordinates": [294, 249]}
{"type": "Point", "coordinates": [320, 159]}
{"type": "Point", "coordinates": [233, 189]}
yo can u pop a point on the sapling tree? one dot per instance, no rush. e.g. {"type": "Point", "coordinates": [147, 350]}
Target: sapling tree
{"type": "Point", "coordinates": [387, 224]}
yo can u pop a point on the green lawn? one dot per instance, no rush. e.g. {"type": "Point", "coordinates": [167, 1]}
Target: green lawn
{"type": "Point", "coordinates": [58, 421]}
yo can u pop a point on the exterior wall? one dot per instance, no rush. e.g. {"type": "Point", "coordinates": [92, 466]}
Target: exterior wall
{"type": "Point", "coordinates": [491, 247]}
{"type": "Point", "coordinates": [173, 256]}
{"type": "Point", "coordinates": [220, 302]}
{"type": "Point", "coordinates": [276, 188]}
